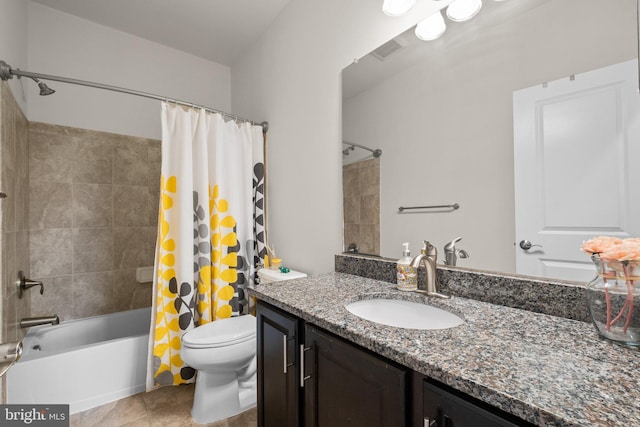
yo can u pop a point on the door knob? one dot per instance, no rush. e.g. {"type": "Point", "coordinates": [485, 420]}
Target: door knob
{"type": "Point", "coordinates": [526, 245]}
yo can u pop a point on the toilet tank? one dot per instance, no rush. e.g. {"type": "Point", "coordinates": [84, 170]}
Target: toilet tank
{"type": "Point", "coordinates": [267, 275]}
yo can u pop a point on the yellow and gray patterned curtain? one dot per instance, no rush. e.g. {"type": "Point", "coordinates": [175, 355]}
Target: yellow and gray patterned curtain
{"type": "Point", "coordinates": [210, 230]}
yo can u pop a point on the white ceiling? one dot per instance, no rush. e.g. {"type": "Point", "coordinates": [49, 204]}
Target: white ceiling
{"type": "Point", "coordinates": [220, 31]}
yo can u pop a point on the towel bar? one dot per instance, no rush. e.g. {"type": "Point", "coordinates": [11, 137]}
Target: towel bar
{"type": "Point", "coordinates": [452, 207]}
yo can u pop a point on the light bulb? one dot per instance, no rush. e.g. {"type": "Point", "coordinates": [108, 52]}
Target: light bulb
{"type": "Point", "coordinates": [463, 10]}
{"type": "Point", "coordinates": [397, 7]}
{"type": "Point", "coordinates": [431, 27]}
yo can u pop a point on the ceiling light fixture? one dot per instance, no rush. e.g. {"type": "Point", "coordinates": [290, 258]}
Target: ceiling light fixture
{"type": "Point", "coordinates": [463, 10]}
{"type": "Point", "coordinates": [397, 7]}
{"type": "Point", "coordinates": [431, 27]}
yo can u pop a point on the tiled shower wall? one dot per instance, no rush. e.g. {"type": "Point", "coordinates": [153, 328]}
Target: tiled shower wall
{"type": "Point", "coordinates": [14, 209]}
{"type": "Point", "coordinates": [93, 199]}
{"type": "Point", "coordinates": [361, 193]}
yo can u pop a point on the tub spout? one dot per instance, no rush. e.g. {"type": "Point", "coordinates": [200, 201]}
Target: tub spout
{"type": "Point", "coordinates": [28, 322]}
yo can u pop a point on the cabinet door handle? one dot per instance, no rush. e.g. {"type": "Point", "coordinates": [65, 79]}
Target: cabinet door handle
{"type": "Point", "coordinates": [285, 363]}
{"type": "Point", "coordinates": [430, 423]}
{"type": "Point", "coordinates": [302, 377]}
{"type": "Point", "coordinates": [284, 354]}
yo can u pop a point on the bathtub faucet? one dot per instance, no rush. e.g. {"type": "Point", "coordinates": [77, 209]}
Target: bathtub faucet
{"type": "Point", "coordinates": [28, 322]}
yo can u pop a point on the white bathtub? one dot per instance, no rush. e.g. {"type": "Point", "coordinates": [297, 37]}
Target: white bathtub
{"type": "Point", "coordinates": [84, 363]}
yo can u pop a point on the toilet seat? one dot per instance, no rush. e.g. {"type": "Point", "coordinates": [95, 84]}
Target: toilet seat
{"type": "Point", "coordinates": [221, 333]}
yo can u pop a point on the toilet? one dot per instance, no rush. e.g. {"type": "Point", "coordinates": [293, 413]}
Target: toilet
{"type": "Point", "coordinates": [224, 354]}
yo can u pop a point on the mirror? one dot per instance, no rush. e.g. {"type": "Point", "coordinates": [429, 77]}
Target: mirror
{"type": "Point", "coordinates": [442, 114]}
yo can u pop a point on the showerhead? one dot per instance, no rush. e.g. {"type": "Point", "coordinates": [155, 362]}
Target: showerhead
{"type": "Point", "coordinates": [44, 89]}
{"type": "Point", "coordinates": [6, 73]}
{"type": "Point", "coordinates": [347, 150]}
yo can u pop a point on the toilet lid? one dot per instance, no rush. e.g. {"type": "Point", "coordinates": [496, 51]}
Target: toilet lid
{"type": "Point", "coordinates": [221, 333]}
{"type": "Point", "coordinates": [268, 275]}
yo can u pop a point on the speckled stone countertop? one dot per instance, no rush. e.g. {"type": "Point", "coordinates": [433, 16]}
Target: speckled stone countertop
{"type": "Point", "coordinates": [545, 369]}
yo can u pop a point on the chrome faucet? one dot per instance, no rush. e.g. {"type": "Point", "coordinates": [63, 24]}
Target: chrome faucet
{"type": "Point", "coordinates": [28, 322]}
{"type": "Point", "coordinates": [451, 254]}
{"type": "Point", "coordinates": [428, 255]}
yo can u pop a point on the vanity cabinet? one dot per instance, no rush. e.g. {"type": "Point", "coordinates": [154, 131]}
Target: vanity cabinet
{"type": "Point", "coordinates": [310, 377]}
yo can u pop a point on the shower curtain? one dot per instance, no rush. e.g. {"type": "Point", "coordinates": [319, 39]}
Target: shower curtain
{"type": "Point", "coordinates": [210, 230]}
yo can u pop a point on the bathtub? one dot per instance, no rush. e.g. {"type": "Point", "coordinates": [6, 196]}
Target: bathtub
{"type": "Point", "coordinates": [84, 363]}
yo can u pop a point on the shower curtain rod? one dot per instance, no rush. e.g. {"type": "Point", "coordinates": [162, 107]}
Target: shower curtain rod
{"type": "Point", "coordinates": [6, 73]}
{"type": "Point", "coordinates": [376, 153]}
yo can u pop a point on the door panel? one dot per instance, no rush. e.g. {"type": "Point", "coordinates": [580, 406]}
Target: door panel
{"type": "Point", "coordinates": [278, 392]}
{"type": "Point", "coordinates": [348, 386]}
{"type": "Point", "coordinates": [575, 141]}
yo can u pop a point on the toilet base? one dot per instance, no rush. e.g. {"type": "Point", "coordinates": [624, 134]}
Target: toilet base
{"type": "Point", "coordinates": [218, 396]}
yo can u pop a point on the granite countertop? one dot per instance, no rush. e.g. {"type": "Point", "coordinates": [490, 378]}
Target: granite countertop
{"type": "Point", "coordinates": [547, 370]}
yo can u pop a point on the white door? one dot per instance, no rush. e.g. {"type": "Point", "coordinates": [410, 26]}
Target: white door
{"type": "Point", "coordinates": [577, 168]}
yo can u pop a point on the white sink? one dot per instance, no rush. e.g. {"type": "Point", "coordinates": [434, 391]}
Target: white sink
{"type": "Point", "coordinates": [404, 314]}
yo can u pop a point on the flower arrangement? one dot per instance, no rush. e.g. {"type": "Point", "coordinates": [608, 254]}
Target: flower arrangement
{"type": "Point", "coordinates": [618, 264]}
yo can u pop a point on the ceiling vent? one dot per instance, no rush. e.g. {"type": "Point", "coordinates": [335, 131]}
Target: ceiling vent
{"type": "Point", "coordinates": [386, 49]}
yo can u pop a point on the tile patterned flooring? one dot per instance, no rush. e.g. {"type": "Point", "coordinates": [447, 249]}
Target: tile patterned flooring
{"type": "Point", "coordinates": [164, 407]}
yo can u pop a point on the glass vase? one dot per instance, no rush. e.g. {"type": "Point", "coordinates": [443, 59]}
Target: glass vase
{"type": "Point", "coordinates": [613, 299]}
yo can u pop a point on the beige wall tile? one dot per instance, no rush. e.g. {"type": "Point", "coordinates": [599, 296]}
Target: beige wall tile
{"type": "Point", "coordinates": [84, 227]}
{"type": "Point", "coordinates": [51, 252]}
{"type": "Point", "coordinates": [50, 205]}
{"type": "Point", "coordinates": [92, 250]}
{"type": "Point", "coordinates": [128, 293]}
{"type": "Point", "coordinates": [51, 153]}
{"type": "Point", "coordinates": [14, 212]}
{"type": "Point", "coordinates": [134, 247]}
{"type": "Point", "coordinates": [361, 190]}
{"type": "Point", "coordinates": [370, 209]}
{"type": "Point", "coordinates": [92, 205]}
{"type": "Point", "coordinates": [93, 162]}
{"type": "Point", "coordinates": [352, 210]}
{"type": "Point", "coordinates": [57, 298]}
{"type": "Point", "coordinates": [133, 206]}
{"type": "Point", "coordinates": [350, 180]}
{"type": "Point", "coordinates": [22, 172]}
{"type": "Point", "coordinates": [154, 155]}
{"type": "Point", "coordinates": [131, 162]}
{"type": "Point", "coordinates": [92, 294]}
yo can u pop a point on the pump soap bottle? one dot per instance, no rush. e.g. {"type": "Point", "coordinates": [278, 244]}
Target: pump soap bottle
{"type": "Point", "coordinates": [406, 278]}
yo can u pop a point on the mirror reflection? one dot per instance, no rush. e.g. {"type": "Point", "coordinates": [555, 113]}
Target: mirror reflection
{"type": "Point", "coordinates": [442, 114]}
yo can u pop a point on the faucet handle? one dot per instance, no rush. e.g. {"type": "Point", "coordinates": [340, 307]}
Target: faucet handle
{"type": "Point", "coordinates": [451, 246]}
{"type": "Point", "coordinates": [23, 284]}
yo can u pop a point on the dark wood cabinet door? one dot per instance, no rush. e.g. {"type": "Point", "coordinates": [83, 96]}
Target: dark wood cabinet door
{"type": "Point", "coordinates": [445, 409]}
{"type": "Point", "coordinates": [348, 386]}
{"type": "Point", "coordinates": [278, 392]}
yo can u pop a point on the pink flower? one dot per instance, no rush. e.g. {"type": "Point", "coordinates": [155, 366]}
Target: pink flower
{"type": "Point", "coordinates": [599, 244]}
{"type": "Point", "coordinates": [628, 250]}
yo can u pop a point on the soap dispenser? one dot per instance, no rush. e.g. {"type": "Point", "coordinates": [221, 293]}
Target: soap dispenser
{"type": "Point", "coordinates": [406, 278]}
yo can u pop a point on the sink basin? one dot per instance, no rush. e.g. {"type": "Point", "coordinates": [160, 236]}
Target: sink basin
{"type": "Point", "coordinates": [404, 314]}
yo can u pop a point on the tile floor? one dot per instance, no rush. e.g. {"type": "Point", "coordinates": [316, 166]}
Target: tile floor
{"type": "Point", "coordinates": [164, 407]}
